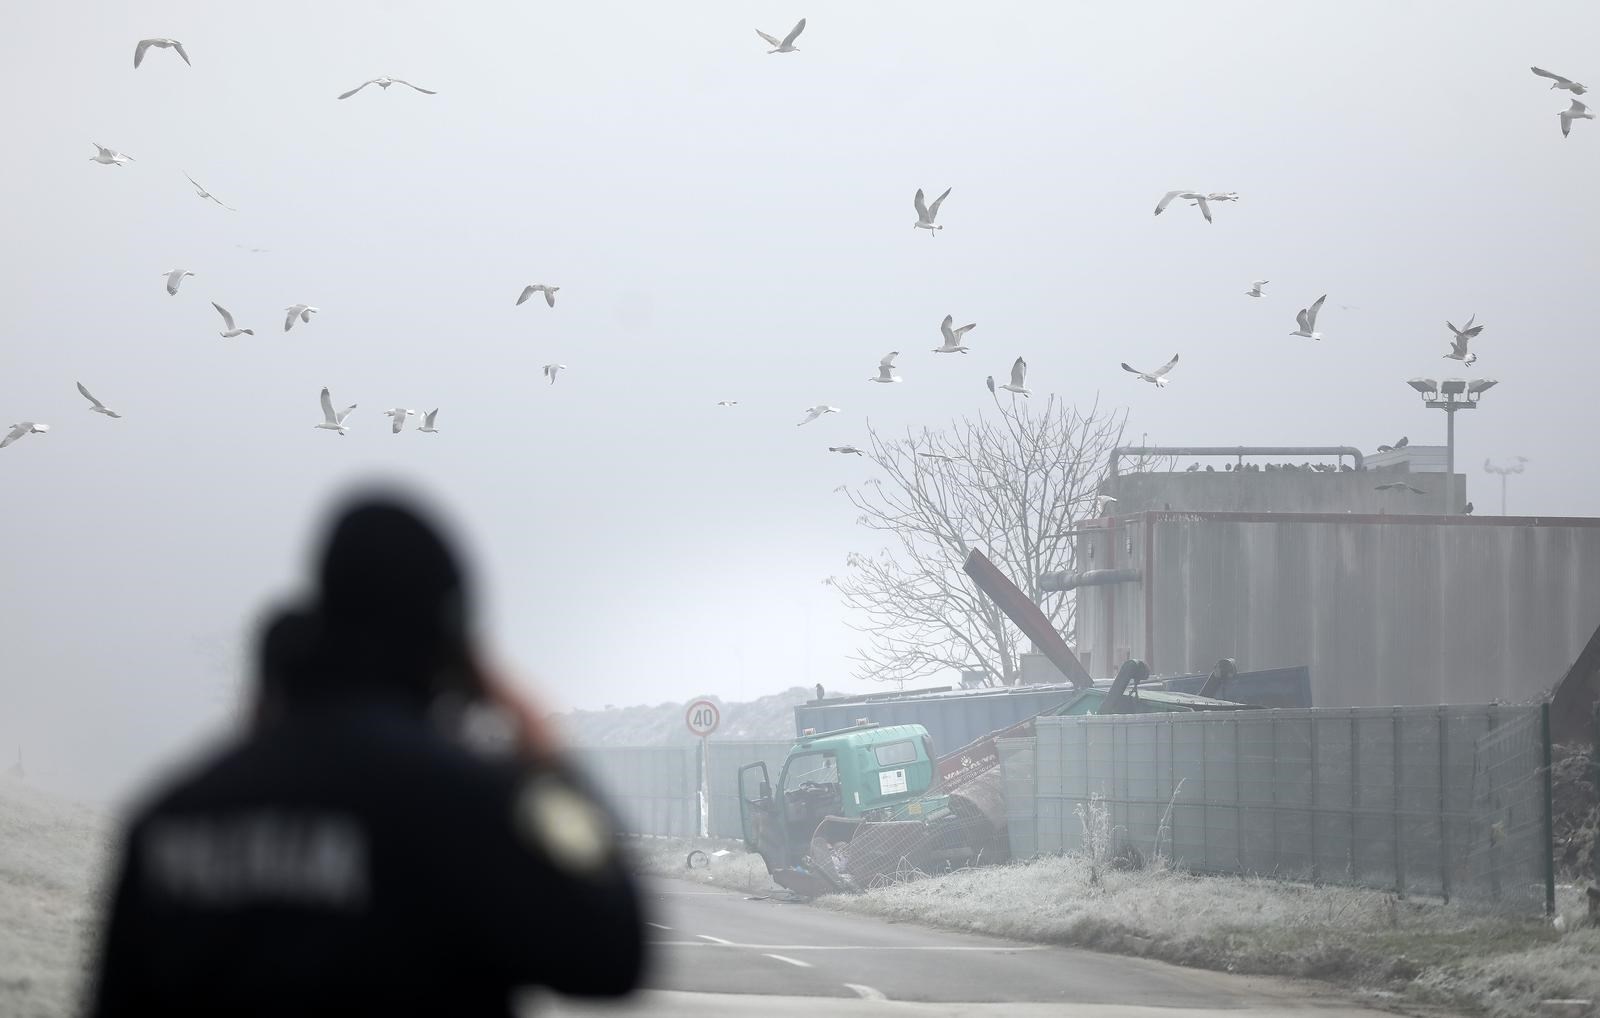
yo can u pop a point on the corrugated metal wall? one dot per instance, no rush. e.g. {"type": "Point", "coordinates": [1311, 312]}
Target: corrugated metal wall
{"type": "Point", "coordinates": [1398, 610]}
{"type": "Point", "coordinates": [652, 789]}
{"type": "Point", "coordinates": [723, 760]}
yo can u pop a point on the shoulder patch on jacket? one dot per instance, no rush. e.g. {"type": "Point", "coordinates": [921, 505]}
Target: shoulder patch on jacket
{"type": "Point", "coordinates": [563, 823]}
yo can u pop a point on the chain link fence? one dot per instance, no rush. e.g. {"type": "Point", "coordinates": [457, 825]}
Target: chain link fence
{"type": "Point", "coordinates": [1449, 801]}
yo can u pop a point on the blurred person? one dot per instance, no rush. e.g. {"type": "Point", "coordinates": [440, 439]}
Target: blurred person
{"type": "Point", "coordinates": [397, 833]}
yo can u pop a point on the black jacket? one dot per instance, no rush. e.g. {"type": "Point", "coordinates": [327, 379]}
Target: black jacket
{"type": "Point", "coordinates": [352, 860]}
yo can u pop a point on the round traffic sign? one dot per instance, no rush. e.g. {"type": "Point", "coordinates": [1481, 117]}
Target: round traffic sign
{"type": "Point", "coordinates": [702, 717]}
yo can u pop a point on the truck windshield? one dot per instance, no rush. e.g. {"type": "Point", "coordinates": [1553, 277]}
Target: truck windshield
{"type": "Point", "coordinates": [812, 768]}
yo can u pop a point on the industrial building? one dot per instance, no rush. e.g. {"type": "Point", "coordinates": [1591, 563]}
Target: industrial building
{"type": "Point", "coordinates": [1389, 597]}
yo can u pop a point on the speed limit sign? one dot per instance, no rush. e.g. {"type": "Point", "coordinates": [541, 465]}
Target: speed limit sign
{"type": "Point", "coordinates": [702, 717]}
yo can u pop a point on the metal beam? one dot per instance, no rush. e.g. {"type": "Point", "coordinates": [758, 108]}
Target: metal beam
{"type": "Point", "coordinates": [1027, 616]}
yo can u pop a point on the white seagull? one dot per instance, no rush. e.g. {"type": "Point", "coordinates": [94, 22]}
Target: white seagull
{"type": "Point", "coordinates": [847, 450]}
{"type": "Point", "coordinates": [175, 277]}
{"type": "Point", "coordinates": [108, 156]}
{"type": "Point", "coordinates": [953, 337]}
{"type": "Point", "coordinates": [98, 407]}
{"type": "Point", "coordinates": [384, 83]}
{"type": "Point", "coordinates": [812, 413]}
{"type": "Point", "coordinates": [427, 426]}
{"type": "Point", "coordinates": [886, 368]}
{"type": "Point", "coordinates": [25, 428]}
{"type": "Point", "coordinates": [202, 192]}
{"type": "Point", "coordinates": [333, 421]}
{"type": "Point", "coordinates": [551, 370]}
{"type": "Point", "coordinates": [727, 402]}
{"type": "Point", "coordinates": [1019, 373]}
{"type": "Point", "coordinates": [533, 288]}
{"type": "Point", "coordinates": [300, 311]}
{"type": "Point", "coordinates": [786, 45]}
{"type": "Point", "coordinates": [399, 415]}
{"type": "Point", "coordinates": [1577, 111]}
{"type": "Point", "coordinates": [227, 320]}
{"type": "Point", "coordinates": [1202, 200]}
{"type": "Point", "coordinates": [1158, 377]}
{"type": "Point", "coordinates": [1575, 87]}
{"type": "Point", "coordinates": [926, 212]}
{"type": "Point", "coordinates": [1255, 287]}
{"type": "Point", "coordinates": [1307, 320]}
{"type": "Point", "coordinates": [1400, 486]}
{"type": "Point", "coordinates": [1458, 345]}
{"type": "Point", "coordinates": [144, 44]}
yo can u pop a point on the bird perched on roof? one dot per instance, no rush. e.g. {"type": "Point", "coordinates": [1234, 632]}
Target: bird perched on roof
{"type": "Point", "coordinates": [1192, 468]}
{"type": "Point", "coordinates": [1399, 486]}
{"type": "Point", "coordinates": [1404, 441]}
{"type": "Point", "coordinates": [1466, 510]}
{"type": "Point", "coordinates": [1210, 469]}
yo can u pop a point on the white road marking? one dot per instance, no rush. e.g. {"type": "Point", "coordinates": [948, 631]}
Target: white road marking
{"type": "Point", "coordinates": [718, 942]}
{"type": "Point", "coordinates": [796, 962]}
{"type": "Point", "coordinates": [866, 992]}
{"type": "Point", "coordinates": [659, 926]}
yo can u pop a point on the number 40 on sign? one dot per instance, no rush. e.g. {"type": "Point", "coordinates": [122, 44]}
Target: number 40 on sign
{"type": "Point", "coordinates": [702, 717]}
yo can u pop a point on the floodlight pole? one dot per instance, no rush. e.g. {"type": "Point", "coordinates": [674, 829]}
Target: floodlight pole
{"type": "Point", "coordinates": [1504, 472]}
{"type": "Point", "coordinates": [1450, 404]}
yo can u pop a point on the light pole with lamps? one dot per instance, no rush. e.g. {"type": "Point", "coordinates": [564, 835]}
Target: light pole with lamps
{"type": "Point", "coordinates": [1451, 395]}
{"type": "Point", "coordinates": [1505, 470]}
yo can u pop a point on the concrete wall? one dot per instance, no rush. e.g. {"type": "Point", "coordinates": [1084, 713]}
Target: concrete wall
{"type": "Point", "coordinates": [1403, 610]}
{"type": "Point", "coordinates": [1287, 491]}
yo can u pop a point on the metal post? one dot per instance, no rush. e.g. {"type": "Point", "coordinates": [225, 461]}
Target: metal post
{"type": "Point", "coordinates": [1502, 494]}
{"type": "Point", "coordinates": [1316, 776]}
{"type": "Point", "coordinates": [1238, 799]}
{"type": "Point", "coordinates": [1399, 850]}
{"type": "Point", "coordinates": [1549, 812]}
{"type": "Point", "coordinates": [1444, 816]}
{"type": "Point", "coordinates": [1355, 788]}
{"type": "Point", "coordinates": [1450, 451]}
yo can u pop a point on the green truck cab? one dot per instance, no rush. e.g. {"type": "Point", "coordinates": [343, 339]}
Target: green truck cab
{"type": "Point", "coordinates": [831, 783]}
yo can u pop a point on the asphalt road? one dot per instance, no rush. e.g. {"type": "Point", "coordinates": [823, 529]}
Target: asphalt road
{"type": "Point", "coordinates": [720, 953]}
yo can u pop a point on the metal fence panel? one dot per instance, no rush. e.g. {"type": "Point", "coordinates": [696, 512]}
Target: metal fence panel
{"type": "Point", "coordinates": [723, 760]}
{"type": "Point", "coordinates": [1017, 765]}
{"type": "Point", "coordinates": [1449, 801]}
{"type": "Point", "coordinates": [652, 789]}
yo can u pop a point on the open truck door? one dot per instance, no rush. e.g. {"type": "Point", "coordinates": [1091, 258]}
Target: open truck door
{"type": "Point", "coordinates": [755, 803]}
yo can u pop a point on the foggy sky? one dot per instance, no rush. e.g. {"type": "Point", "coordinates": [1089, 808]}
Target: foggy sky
{"type": "Point", "coordinates": [724, 224]}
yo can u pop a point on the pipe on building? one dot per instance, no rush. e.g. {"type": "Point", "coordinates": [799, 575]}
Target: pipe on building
{"type": "Point", "coordinates": [1057, 582]}
{"type": "Point", "coordinates": [1234, 450]}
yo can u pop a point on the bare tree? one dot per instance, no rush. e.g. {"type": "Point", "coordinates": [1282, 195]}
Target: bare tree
{"type": "Point", "coordinates": [1015, 486]}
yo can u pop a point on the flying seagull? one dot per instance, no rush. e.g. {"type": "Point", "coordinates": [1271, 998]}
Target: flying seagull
{"type": "Point", "coordinates": [399, 415]}
{"type": "Point", "coordinates": [846, 450]}
{"type": "Point", "coordinates": [1577, 111]}
{"type": "Point", "coordinates": [384, 83]}
{"type": "Point", "coordinates": [144, 44]}
{"type": "Point", "coordinates": [727, 402]}
{"type": "Point", "coordinates": [1223, 196]}
{"type": "Point", "coordinates": [1255, 287]}
{"type": "Point", "coordinates": [202, 192]}
{"type": "Point", "coordinates": [24, 428]}
{"type": "Point", "coordinates": [174, 278]}
{"type": "Point", "coordinates": [926, 212]}
{"type": "Point", "coordinates": [108, 156]}
{"type": "Point", "coordinates": [300, 311]}
{"type": "Point", "coordinates": [1202, 200]}
{"type": "Point", "coordinates": [812, 413]}
{"type": "Point", "coordinates": [1458, 346]}
{"type": "Point", "coordinates": [786, 45]}
{"type": "Point", "coordinates": [886, 368]}
{"type": "Point", "coordinates": [1575, 87]}
{"type": "Point", "coordinates": [1158, 377]}
{"type": "Point", "coordinates": [1019, 371]}
{"type": "Point", "coordinates": [1399, 486]}
{"type": "Point", "coordinates": [427, 426]}
{"type": "Point", "coordinates": [533, 288]}
{"type": "Point", "coordinates": [953, 337]}
{"type": "Point", "coordinates": [937, 456]}
{"type": "Point", "coordinates": [551, 370]}
{"type": "Point", "coordinates": [227, 320]}
{"type": "Point", "coordinates": [98, 407]}
{"type": "Point", "coordinates": [1307, 320]}
{"type": "Point", "coordinates": [333, 421]}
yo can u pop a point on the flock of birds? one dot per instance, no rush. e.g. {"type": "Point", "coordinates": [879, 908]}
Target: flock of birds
{"type": "Point", "coordinates": [952, 337]}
